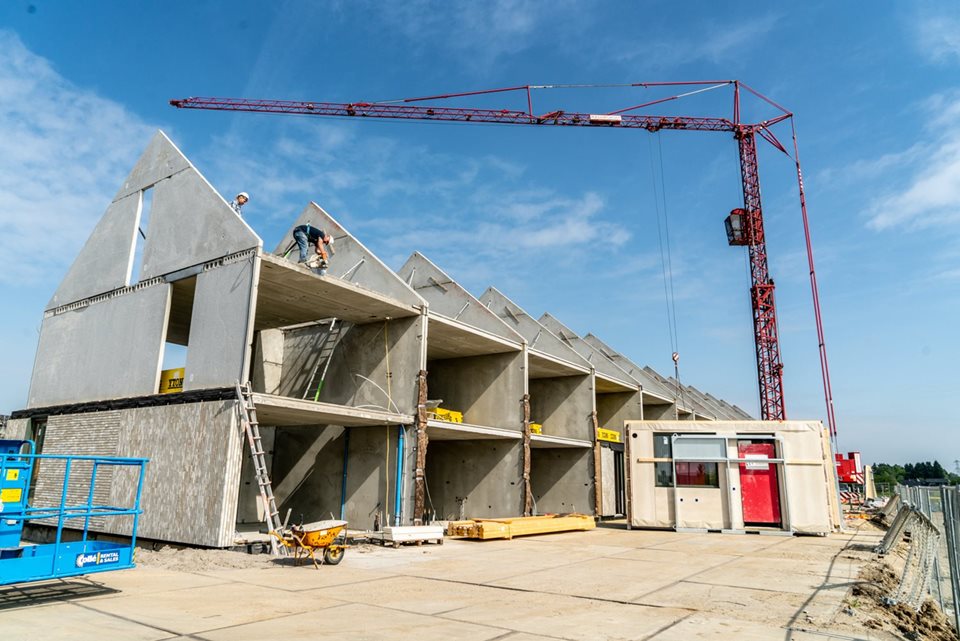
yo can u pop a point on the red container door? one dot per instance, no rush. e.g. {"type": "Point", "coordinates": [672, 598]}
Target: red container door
{"type": "Point", "coordinates": [760, 491]}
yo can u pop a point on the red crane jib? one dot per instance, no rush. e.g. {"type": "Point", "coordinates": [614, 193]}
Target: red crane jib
{"type": "Point", "coordinates": [769, 365]}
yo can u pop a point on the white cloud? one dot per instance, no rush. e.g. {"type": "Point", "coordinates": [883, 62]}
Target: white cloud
{"type": "Point", "coordinates": [931, 193]}
{"type": "Point", "coordinates": [939, 38]}
{"type": "Point", "coordinates": [715, 43]}
{"type": "Point", "coordinates": [413, 196]}
{"type": "Point", "coordinates": [479, 32]}
{"type": "Point", "coordinates": [63, 153]}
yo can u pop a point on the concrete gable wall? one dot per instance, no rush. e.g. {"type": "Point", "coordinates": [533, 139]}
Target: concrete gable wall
{"type": "Point", "coordinates": [351, 260]}
{"type": "Point", "coordinates": [537, 336]}
{"type": "Point", "coordinates": [190, 223]}
{"type": "Point", "coordinates": [595, 357]}
{"type": "Point", "coordinates": [448, 298]}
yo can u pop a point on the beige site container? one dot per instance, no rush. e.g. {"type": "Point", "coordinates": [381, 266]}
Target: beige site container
{"type": "Point", "coordinates": [804, 487]}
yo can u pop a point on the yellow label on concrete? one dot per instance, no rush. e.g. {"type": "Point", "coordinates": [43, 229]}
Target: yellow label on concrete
{"type": "Point", "coordinates": [13, 475]}
{"type": "Point", "coordinates": [171, 381]}
{"type": "Point", "coordinates": [611, 436]}
{"type": "Point", "coordinates": [536, 428]}
{"type": "Point", "coordinates": [10, 495]}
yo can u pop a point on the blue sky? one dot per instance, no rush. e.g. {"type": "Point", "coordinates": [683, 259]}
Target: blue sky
{"type": "Point", "coordinates": [560, 220]}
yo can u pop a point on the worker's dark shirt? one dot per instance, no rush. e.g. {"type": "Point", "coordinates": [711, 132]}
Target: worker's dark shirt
{"type": "Point", "coordinates": [313, 234]}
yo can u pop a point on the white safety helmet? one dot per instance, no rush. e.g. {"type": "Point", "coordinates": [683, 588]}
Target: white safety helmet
{"type": "Point", "coordinates": [328, 240]}
{"type": "Point", "coordinates": [244, 194]}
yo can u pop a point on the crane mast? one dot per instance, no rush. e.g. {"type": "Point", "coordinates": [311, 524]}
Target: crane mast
{"type": "Point", "coordinates": [744, 225]}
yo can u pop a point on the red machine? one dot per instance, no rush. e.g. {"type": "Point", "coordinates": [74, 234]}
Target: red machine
{"type": "Point", "coordinates": [849, 468]}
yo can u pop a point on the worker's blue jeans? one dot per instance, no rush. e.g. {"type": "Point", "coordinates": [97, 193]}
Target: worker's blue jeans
{"type": "Point", "coordinates": [300, 235]}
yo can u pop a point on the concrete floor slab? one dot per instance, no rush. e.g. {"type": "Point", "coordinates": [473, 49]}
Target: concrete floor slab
{"type": "Point", "coordinates": [295, 579]}
{"type": "Point", "coordinates": [414, 594]}
{"type": "Point", "coordinates": [565, 617]}
{"type": "Point", "coordinates": [69, 622]}
{"type": "Point", "coordinates": [703, 560]}
{"type": "Point", "coordinates": [357, 621]}
{"type": "Point", "coordinates": [145, 581]}
{"type": "Point", "coordinates": [720, 544]}
{"type": "Point", "coordinates": [773, 580]}
{"type": "Point", "coordinates": [612, 579]}
{"type": "Point", "coordinates": [607, 583]}
{"type": "Point", "coordinates": [761, 606]}
{"type": "Point", "coordinates": [192, 610]}
{"type": "Point", "coordinates": [704, 626]}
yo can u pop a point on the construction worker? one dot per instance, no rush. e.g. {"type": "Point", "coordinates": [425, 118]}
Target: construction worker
{"type": "Point", "coordinates": [239, 202]}
{"type": "Point", "coordinates": [308, 234]}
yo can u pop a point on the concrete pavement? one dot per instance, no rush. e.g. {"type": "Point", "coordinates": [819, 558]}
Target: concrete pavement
{"type": "Point", "coordinates": [605, 584]}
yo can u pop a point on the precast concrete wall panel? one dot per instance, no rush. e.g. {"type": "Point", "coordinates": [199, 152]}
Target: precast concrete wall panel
{"type": "Point", "coordinates": [161, 159]}
{"type": "Point", "coordinates": [108, 349]}
{"type": "Point", "coordinates": [563, 406]}
{"type": "Point", "coordinates": [616, 407]}
{"type": "Point", "coordinates": [608, 482]}
{"type": "Point", "coordinates": [350, 260]}
{"type": "Point", "coordinates": [191, 481]}
{"type": "Point", "coordinates": [487, 389]}
{"type": "Point", "coordinates": [218, 326]}
{"type": "Point", "coordinates": [537, 336]}
{"type": "Point", "coordinates": [104, 262]}
{"type": "Point", "coordinates": [637, 373]}
{"type": "Point", "coordinates": [374, 365]}
{"type": "Point", "coordinates": [191, 224]}
{"type": "Point", "coordinates": [562, 480]}
{"type": "Point", "coordinates": [448, 298]}
{"type": "Point", "coordinates": [267, 370]}
{"type": "Point", "coordinates": [16, 429]}
{"type": "Point", "coordinates": [484, 477]}
{"type": "Point", "coordinates": [193, 477]}
{"type": "Point", "coordinates": [595, 357]}
{"type": "Point", "coordinates": [95, 434]}
{"type": "Point", "coordinates": [308, 473]}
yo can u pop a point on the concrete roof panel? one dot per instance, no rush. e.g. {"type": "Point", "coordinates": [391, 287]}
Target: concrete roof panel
{"type": "Point", "coordinates": [289, 412]}
{"type": "Point", "coordinates": [539, 339]}
{"type": "Point", "coordinates": [448, 298]}
{"type": "Point", "coordinates": [288, 294]}
{"type": "Point", "coordinates": [607, 370]}
{"type": "Point", "coordinates": [448, 338]}
{"type": "Point", "coordinates": [651, 386]}
{"type": "Point", "coordinates": [545, 441]}
{"type": "Point", "coordinates": [349, 261]}
{"type": "Point", "coordinates": [444, 431]}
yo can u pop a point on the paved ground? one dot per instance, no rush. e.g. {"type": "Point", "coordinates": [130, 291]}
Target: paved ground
{"type": "Point", "coordinates": [608, 583]}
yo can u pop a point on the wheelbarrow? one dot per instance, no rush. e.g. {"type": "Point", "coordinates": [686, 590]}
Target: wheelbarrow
{"type": "Point", "coordinates": [308, 539]}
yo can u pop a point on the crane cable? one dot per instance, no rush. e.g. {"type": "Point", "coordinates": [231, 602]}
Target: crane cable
{"type": "Point", "coordinates": [666, 258]}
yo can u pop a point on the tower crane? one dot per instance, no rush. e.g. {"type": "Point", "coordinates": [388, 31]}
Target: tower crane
{"type": "Point", "coordinates": [744, 225]}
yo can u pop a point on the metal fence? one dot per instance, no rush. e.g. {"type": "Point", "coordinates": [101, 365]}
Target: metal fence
{"type": "Point", "coordinates": [940, 507]}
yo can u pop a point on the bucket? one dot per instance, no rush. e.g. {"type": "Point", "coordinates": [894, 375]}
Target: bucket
{"type": "Point", "coordinates": [171, 381]}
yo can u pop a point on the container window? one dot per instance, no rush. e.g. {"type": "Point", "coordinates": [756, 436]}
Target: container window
{"type": "Point", "coordinates": [698, 475]}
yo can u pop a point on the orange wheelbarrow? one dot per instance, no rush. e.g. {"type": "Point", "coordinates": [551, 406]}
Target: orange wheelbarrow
{"type": "Point", "coordinates": [306, 540]}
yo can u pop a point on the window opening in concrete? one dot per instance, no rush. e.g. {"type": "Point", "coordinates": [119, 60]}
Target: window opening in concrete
{"type": "Point", "coordinates": [36, 432]}
{"type": "Point", "coordinates": [143, 223]}
{"type": "Point", "coordinates": [178, 330]}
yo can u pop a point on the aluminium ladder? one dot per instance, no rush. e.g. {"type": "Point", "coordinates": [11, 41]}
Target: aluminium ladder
{"type": "Point", "coordinates": [248, 416]}
{"type": "Point", "coordinates": [330, 340]}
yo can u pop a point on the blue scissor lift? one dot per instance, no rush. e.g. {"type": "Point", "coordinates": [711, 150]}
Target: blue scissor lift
{"type": "Point", "coordinates": [22, 563]}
